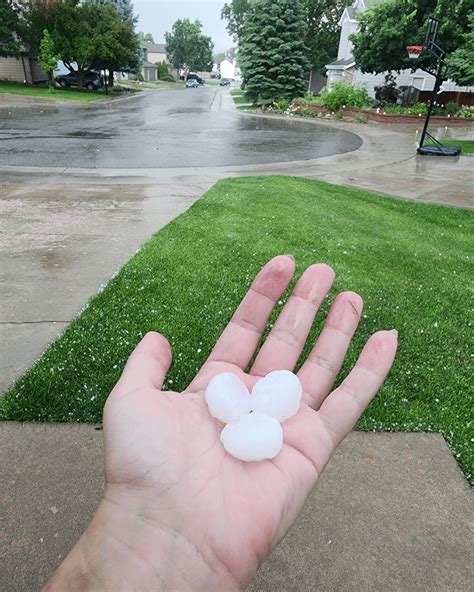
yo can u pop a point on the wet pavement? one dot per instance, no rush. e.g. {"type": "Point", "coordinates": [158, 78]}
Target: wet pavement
{"type": "Point", "coordinates": [65, 230]}
{"type": "Point", "coordinates": [168, 128]}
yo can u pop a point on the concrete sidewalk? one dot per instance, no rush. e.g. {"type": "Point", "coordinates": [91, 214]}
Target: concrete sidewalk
{"type": "Point", "coordinates": [390, 513]}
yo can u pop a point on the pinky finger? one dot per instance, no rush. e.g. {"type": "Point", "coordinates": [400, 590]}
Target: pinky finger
{"type": "Point", "coordinates": [345, 405]}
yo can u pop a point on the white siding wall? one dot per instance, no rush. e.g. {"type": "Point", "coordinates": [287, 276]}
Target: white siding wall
{"type": "Point", "coordinates": [154, 58]}
{"type": "Point", "coordinates": [345, 46]}
{"type": "Point", "coordinates": [12, 69]}
{"type": "Point", "coordinates": [227, 69]}
{"type": "Point", "coordinates": [419, 79]}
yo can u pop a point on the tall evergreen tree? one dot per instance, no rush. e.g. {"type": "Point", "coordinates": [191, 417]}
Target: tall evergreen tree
{"type": "Point", "coordinates": [272, 52]}
{"type": "Point", "coordinates": [322, 26]}
{"type": "Point", "coordinates": [124, 8]}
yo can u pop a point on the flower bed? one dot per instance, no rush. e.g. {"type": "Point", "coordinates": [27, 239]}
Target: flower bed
{"type": "Point", "coordinates": [377, 115]}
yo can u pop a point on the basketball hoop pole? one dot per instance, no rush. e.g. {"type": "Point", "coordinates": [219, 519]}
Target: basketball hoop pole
{"type": "Point", "coordinates": [436, 52]}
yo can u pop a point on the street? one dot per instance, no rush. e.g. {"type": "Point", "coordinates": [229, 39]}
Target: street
{"type": "Point", "coordinates": [168, 128]}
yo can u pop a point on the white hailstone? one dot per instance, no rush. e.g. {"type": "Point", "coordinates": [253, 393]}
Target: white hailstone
{"type": "Point", "coordinates": [227, 398]}
{"type": "Point", "coordinates": [254, 437]}
{"type": "Point", "coordinates": [277, 395]}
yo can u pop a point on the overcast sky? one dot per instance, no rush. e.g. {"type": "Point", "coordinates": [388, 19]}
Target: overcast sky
{"type": "Point", "coordinates": [156, 17]}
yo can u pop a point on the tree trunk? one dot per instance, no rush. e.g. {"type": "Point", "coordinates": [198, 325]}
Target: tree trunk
{"type": "Point", "coordinates": [80, 75]}
{"type": "Point", "coordinates": [111, 77]}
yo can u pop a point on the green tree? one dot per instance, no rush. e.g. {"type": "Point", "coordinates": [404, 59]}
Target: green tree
{"type": "Point", "coordinates": [145, 37]}
{"type": "Point", "coordinates": [461, 61]}
{"type": "Point", "coordinates": [86, 34]}
{"type": "Point", "coordinates": [118, 47]}
{"type": "Point", "coordinates": [386, 29]}
{"type": "Point", "coordinates": [228, 54]}
{"type": "Point", "coordinates": [321, 33]}
{"type": "Point", "coordinates": [9, 29]}
{"type": "Point", "coordinates": [47, 56]}
{"type": "Point", "coordinates": [272, 52]}
{"type": "Point", "coordinates": [235, 13]}
{"type": "Point", "coordinates": [188, 48]}
{"type": "Point", "coordinates": [322, 30]}
{"type": "Point", "coordinates": [122, 57]}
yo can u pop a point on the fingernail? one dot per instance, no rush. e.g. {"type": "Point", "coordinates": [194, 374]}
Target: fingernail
{"type": "Point", "coordinates": [394, 331]}
{"type": "Point", "coordinates": [290, 256]}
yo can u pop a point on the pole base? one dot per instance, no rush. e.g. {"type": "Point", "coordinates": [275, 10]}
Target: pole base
{"type": "Point", "coordinates": [439, 150]}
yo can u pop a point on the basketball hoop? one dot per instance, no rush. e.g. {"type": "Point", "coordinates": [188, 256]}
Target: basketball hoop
{"type": "Point", "coordinates": [414, 51]}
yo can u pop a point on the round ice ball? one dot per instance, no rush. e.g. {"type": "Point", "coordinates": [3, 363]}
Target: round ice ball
{"type": "Point", "coordinates": [227, 397]}
{"type": "Point", "coordinates": [254, 437]}
{"type": "Point", "coordinates": [278, 394]}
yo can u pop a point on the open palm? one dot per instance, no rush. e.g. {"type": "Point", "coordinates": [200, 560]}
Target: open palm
{"type": "Point", "coordinates": [163, 449]}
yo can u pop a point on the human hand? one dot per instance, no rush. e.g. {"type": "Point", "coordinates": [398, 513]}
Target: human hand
{"type": "Point", "coordinates": [178, 512]}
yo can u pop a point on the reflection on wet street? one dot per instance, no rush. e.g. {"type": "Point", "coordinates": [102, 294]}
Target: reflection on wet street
{"type": "Point", "coordinates": [175, 128]}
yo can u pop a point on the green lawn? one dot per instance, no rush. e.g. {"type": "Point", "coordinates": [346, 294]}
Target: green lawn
{"type": "Point", "coordinates": [36, 91]}
{"type": "Point", "coordinates": [467, 146]}
{"type": "Point", "coordinates": [153, 85]}
{"type": "Point", "coordinates": [239, 99]}
{"type": "Point", "coordinates": [411, 262]}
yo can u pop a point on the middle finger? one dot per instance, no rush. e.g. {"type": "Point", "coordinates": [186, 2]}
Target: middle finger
{"type": "Point", "coordinates": [286, 340]}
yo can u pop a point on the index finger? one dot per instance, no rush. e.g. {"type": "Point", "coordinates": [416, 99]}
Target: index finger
{"type": "Point", "coordinates": [240, 338]}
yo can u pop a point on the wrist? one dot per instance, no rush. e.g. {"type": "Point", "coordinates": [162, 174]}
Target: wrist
{"type": "Point", "coordinates": [125, 549]}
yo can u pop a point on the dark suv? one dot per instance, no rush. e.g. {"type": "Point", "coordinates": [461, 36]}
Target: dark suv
{"type": "Point", "coordinates": [91, 80]}
{"type": "Point", "coordinates": [193, 76]}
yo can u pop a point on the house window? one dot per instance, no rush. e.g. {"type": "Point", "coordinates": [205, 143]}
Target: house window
{"type": "Point", "coordinates": [418, 82]}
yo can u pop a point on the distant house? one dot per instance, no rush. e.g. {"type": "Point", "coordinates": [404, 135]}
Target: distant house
{"type": "Point", "coordinates": [230, 69]}
{"type": "Point", "coordinates": [153, 53]}
{"type": "Point", "coordinates": [418, 84]}
{"type": "Point", "coordinates": [24, 69]}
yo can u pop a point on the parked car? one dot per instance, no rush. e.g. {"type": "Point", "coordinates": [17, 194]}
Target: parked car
{"type": "Point", "coordinates": [192, 83]}
{"type": "Point", "coordinates": [195, 77]}
{"type": "Point", "coordinates": [224, 82]}
{"type": "Point", "coordinates": [91, 80]}
{"type": "Point", "coordinates": [215, 75]}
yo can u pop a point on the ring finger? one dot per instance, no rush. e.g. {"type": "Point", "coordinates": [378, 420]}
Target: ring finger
{"type": "Point", "coordinates": [322, 366]}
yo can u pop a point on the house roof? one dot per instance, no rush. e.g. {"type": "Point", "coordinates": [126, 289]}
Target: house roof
{"type": "Point", "coordinates": [351, 12]}
{"type": "Point", "coordinates": [154, 47]}
{"type": "Point", "coordinates": [147, 64]}
{"type": "Point", "coordinates": [343, 64]}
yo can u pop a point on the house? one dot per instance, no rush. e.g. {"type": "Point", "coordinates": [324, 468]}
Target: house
{"type": "Point", "coordinates": [422, 83]}
{"type": "Point", "coordinates": [24, 69]}
{"type": "Point", "coordinates": [230, 69]}
{"type": "Point", "coordinates": [153, 53]}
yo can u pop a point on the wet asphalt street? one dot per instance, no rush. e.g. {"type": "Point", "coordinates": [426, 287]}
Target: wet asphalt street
{"type": "Point", "coordinates": [169, 128]}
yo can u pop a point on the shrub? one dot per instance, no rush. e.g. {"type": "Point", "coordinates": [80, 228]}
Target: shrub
{"type": "Point", "coordinates": [310, 99]}
{"type": "Point", "coordinates": [299, 109]}
{"type": "Point", "coordinates": [167, 78]}
{"type": "Point", "coordinates": [162, 70]}
{"type": "Point", "coordinates": [360, 119]}
{"type": "Point", "coordinates": [451, 108]}
{"type": "Point", "coordinates": [388, 93]}
{"type": "Point", "coordinates": [281, 104]}
{"type": "Point", "coordinates": [417, 109]}
{"type": "Point", "coordinates": [339, 115]}
{"type": "Point", "coordinates": [465, 112]}
{"type": "Point", "coordinates": [344, 95]}
{"type": "Point", "coordinates": [395, 109]}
